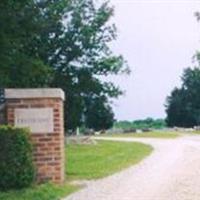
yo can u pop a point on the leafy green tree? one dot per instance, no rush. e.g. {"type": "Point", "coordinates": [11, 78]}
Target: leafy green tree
{"type": "Point", "coordinates": [84, 57]}
{"type": "Point", "coordinates": [99, 114]}
{"type": "Point", "coordinates": [61, 43]}
{"type": "Point", "coordinates": [19, 28]}
{"type": "Point", "coordinates": [183, 108]}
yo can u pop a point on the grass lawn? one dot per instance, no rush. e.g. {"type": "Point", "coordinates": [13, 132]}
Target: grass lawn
{"type": "Point", "coordinates": [42, 192]}
{"type": "Point", "coordinates": [164, 135]}
{"type": "Point", "coordinates": [103, 159]}
{"type": "Point", "coordinates": [85, 162]}
{"type": "Point", "coordinates": [194, 132]}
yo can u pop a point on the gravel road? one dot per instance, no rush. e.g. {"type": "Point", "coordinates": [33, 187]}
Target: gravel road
{"type": "Point", "coordinates": [171, 172]}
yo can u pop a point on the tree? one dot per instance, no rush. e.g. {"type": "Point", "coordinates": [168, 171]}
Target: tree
{"type": "Point", "coordinates": [61, 43]}
{"type": "Point", "coordinates": [84, 57]}
{"type": "Point", "coordinates": [183, 108]}
{"type": "Point", "coordinates": [99, 114]}
{"type": "Point", "coordinates": [18, 67]}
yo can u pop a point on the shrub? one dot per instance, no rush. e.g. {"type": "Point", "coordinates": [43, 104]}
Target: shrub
{"type": "Point", "coordinates": [16, 158]}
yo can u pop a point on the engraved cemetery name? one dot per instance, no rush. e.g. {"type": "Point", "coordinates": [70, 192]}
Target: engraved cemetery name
{"type": "Point", "coordinates": [39, 120]}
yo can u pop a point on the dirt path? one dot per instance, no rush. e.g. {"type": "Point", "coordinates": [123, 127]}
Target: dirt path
{"type": "Point", "coordinates": [171, 172]}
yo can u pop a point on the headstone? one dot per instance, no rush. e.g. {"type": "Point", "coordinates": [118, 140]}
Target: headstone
{"type": "Point", "coordinates": [77, 131]}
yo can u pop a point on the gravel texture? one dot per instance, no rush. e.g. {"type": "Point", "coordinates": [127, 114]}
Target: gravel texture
{"type": "Point", "coordinates": [171, 172]}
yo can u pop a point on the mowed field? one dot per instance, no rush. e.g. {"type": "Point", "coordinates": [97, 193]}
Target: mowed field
{"type": "Point", "coordinates": [152, 134]}
{"type": "Point", "coordinates": [103, 159]}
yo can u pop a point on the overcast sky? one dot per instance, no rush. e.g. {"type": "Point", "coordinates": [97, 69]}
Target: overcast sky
{"type": "Point", "coordinates": [158, 39]}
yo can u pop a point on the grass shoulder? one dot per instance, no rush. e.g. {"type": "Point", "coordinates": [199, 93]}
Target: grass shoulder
{"type": "Point", "coordinates": [103, 159]}
{"type": "Point", "coordinates": [153, 134]}
{"type": "Point", "coordinates": [40, 192]}
{"type": "Point", "coordinates": [194, 132]}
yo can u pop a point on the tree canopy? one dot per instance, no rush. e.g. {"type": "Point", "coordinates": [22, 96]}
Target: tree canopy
{"type": "Point", "coordinates": [182, 107]}
{"type": "Point", "coordinates": [62, 43]}
{"type": "Point", "coordinates": [19, 29]}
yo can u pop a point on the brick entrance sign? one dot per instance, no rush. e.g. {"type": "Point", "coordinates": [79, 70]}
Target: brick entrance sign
{"type": "Point", "coordinates": [42, 111]}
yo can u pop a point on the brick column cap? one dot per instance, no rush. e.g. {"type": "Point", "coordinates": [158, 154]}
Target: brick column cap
{"type": "Point", "coordinates": [32, 93]}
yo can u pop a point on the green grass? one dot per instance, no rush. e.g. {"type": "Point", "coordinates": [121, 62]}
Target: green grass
{"type": "Point", "coordinates": [85, 162]}
{"type": "Point", "coordinates": [164, 135]}
{"type": "Point", "coordinates": [103, 159]}
{"type": "Point", "coordinates": [192, 133]}
{"type": "Point", "coordinates": [41, 192]}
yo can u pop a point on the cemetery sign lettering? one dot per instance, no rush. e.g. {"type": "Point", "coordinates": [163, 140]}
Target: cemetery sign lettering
{"type": "Point", "coordinates": [39, 120]}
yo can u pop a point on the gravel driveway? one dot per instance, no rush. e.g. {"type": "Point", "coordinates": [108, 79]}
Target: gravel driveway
{"type": "Point", "coordinates": [171, 172]}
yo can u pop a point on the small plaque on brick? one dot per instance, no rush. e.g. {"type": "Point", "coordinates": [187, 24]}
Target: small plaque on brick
{"type": "Point", "coordinates": [39, 120]}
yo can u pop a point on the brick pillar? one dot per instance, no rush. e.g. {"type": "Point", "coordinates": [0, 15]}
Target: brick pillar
{"type": "Point", "coordinates": [42, 111]}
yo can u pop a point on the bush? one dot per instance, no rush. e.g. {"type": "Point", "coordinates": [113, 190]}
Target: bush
{"type": "Point", "coordinates": [16, 158]}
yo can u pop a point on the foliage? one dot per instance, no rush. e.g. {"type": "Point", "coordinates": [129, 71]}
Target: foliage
{"type": "Point", "coordinates": [99, 114]}
{"type": "Point", "coordinates": [103, 159]}
{"type": "Point", "coordinates": [19, 30]}
{"type": "Point", "coordinates": [140, 124]}
{"type": "Point", "coordinates": [39, 192]}
{"type": "Point", "coordinates": [62, 44]}
{"type": "Point", "coordinates": [16, 161]}
{"type": "Point", "coordinates": [183, 108]}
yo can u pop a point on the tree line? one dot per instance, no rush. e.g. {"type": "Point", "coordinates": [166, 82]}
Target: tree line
{"type": "Point", "coordinates": [65, 44]}
{"type": "Point", "coordinates": [183, 105]}
{"type": "Point", "coordinates": [147, 123]}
